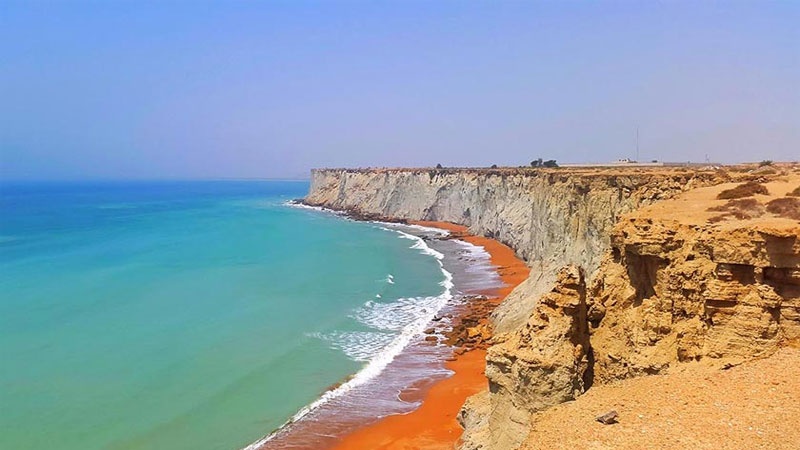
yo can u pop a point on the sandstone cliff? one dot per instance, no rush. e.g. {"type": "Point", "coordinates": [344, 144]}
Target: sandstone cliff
{"type": "Point", "coordinates": [607, 298]}
{"type": "Point", "coordinates": [671, 292]}
{"type": "Point", "coordinates": [677, 286]}
{"type": "Point", "coordinates": [552, 348]}
{"type": "Point", "coordinates": [551, 218]}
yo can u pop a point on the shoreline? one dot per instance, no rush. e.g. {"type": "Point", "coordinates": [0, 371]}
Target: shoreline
{"type": "Point", "coordinates": [420, 366]}
{"type": "Point", "coordinates": [433, 425]}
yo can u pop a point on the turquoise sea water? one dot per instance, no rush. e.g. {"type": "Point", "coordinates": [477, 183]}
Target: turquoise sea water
{"type": "Point", "coordinates": [172, 315]}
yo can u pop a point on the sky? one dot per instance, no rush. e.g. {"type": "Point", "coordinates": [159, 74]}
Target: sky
{"type": "Point", "coordinates": [197, 89]}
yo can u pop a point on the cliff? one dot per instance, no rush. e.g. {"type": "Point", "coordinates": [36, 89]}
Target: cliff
{"type": "Point", "coordinates": [671, 292]}
{"type": "Point", "coordinates": [633, 272]}
{"type": "Point", "coordinates": [551, 218]}
{"type": "Point", "coordinates": [682, 294]}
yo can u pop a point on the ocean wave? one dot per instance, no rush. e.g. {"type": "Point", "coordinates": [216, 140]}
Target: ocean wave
{"type": "Point", "coordinates": [357, 345]}
{"type": "Point", "coordinates": [121, 205]}
{"type": "Point", "coordinates": [381, 357]}
{"type": "Point", "coordinates": [438, 231]}
{"type": "Point", "coordinates": [394, 316]}
{"type": "Point", "coordinates": [473, 252]}
{"type": "Point", "coordinates": [419, 244]}
{"type": "Point", "coordinates": [297, 204]}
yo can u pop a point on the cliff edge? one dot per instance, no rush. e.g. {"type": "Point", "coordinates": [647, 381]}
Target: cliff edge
{"type": "Point", "coordinates": [633, 272]}
{"type": "Point", "coordinates": [551, 218]}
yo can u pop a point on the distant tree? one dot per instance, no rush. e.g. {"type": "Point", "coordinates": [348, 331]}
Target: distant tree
{"type": "Point", "coordinates": [765, 163]}
{"type": "Point", "coordinates": [494, 166]}
{"type": "Point", "coordinates": [536, 163]}
{"type": "Point", "coordinates": [550, 163]}
{"type": "Point", "coordinates": [438, 166]}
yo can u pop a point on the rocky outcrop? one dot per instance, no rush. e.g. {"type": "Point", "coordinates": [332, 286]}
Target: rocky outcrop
{"type": "Point", "coordinates": [544, 363]}
{"type": "Point", "coordinates": [670, 292]}
{"type": "Point", "coordinates": [674, 287]}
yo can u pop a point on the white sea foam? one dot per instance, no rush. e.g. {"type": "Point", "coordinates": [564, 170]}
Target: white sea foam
{"type": "Point", "coordinates": [426, 310]}
{"type": "Point", "coordinates": [296, 204]}
{"type": "Point", "coordinates": [438, 231]}
{"type": "Point", "coordinates": [357, 345]}
{"type": "Point", "coordinates": [390, 279]}
{"type": "Point", "coordinates": [396, 315]}
{"type": "Point", "coordinates": [419, 244]}
{"type": "Point", "coordinates": [474, 251]}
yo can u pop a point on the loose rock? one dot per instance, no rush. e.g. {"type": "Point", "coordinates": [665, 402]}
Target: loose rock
{"type": "Point", "coordinates": [608, 418]}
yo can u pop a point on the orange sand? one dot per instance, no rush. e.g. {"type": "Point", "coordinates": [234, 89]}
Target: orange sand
{"type": "Point", "coordinates": [433, 425]}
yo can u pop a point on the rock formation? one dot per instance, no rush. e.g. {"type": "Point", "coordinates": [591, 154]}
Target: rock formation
{"type": "Point", "coordinates": [553, 347]}
{"type": "Point", "coordinates": [551, 218]}
{"type": "Point", "coordinates": [669, 279]}
{"type": "Point", "coordinates": [675, 290]}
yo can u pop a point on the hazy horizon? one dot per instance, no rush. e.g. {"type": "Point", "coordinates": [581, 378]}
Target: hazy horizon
{"type": "Point", "coordinates": [252, 90]}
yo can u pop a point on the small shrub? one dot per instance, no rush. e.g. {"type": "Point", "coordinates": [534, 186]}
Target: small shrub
{"type": "Point", "coordinates": [794, 193]}
{"type": "Point", "coordinates": [766, 170]}
{"type": "Point", "coordinates": [748, 189]}
{"type": "Point", "coordinates": [766, 162]}
{"type": "Point", "coordinates": [494, 166]}
{"type": "Point", "coordinates": [550, 163]}
{"type": "Point", "coordinates": [746, 208]}
{"type": "Point", "coordinates": [540, 163]}
{"type": "Point", "coordinates": [787, 207]}
{"type": "Point", "coordinates": [438, 166]}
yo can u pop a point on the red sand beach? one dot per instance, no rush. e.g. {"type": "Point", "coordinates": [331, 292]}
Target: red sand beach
{"type": "Point", "coordinates": [433, 425]}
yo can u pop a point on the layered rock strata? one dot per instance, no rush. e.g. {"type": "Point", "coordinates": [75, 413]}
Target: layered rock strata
{"type": "Point", "coordinates": [607, 298]}
{"type": "Point", "coordinates": [671, 292]}
{"type": "Point", "coordinates": [543, 363]}
{"type": "Point", "coordinates": [551, 218]}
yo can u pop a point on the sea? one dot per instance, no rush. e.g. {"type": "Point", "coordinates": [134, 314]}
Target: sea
{"type": "Point", "coordinates": [212, 314]}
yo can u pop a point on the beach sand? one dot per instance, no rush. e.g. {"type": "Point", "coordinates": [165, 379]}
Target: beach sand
{"type": "Point", "coordinates": [433, 425]}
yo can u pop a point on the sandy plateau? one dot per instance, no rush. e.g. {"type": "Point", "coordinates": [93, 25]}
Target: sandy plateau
{"type": "Point", "coordinates": [752, 406]}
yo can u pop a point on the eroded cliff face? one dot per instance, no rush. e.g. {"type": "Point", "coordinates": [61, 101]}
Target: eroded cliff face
{"type": "Point", "coordinates": [671, 292]}
{"type": "Point", "coordinates": [617, 288]}
{"type": "Point", "coordinates": [543, 363]}
{"type": "Point", "coordinates": [675, 286]}
{"type": "Point", "coordinates": [551, 218]}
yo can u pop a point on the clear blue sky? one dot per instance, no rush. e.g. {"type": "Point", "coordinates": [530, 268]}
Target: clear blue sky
{"type": "Point", "coordinates": [193, 89]}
